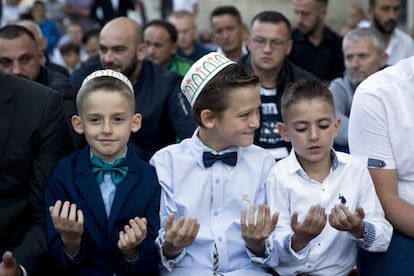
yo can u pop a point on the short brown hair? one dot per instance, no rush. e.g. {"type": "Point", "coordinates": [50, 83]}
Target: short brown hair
{"type": "Point", "coordinates": [306, 89]}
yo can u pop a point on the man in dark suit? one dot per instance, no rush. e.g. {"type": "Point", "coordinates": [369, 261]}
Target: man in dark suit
{"type": "Point", "coordinates": [21, 56]}
{"type": "Point", "coordinates": [34, 136]}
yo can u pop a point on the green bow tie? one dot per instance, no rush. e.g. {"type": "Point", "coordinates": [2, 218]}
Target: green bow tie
{"type": "Point", "coordinates": [118, 169]}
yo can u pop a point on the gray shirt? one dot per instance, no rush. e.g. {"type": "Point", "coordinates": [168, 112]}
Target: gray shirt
{"type": "Point", "coordinates": [343, 92]}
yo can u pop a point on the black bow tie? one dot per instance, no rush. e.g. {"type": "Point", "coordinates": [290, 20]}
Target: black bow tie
{"type": "Point", "coordinates": [229, 158]}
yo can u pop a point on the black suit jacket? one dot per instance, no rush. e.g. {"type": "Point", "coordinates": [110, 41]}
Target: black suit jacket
{"type": "Point", "coordinates": [33, 136]}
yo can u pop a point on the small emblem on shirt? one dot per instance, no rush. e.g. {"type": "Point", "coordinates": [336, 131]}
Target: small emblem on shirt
{"type": "Point", "coordinates": [342, 199]}
{"type": "Point", "coordinates": [246, 198]}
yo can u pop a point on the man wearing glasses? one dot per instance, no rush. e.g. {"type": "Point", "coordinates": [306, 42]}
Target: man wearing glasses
{"type": "Point", "coordinates": [269, 44]}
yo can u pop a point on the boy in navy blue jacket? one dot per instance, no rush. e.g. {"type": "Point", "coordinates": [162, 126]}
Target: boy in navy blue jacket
{"type": "Point", "coordinates": [104, 201]}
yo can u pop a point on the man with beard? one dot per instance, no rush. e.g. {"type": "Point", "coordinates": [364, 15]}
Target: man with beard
{"type": "Point", "coordinates": [20, 55]}
{"type": "Point", "coordinates": [165, 114]}
{"type": "Point", "coordinates": [364, 55]}
{"type": "Point", "coordinates": [269, 43]}
{"type": "Point", "coordinates": [384, 15]}
{"type": "Point", "coordinates": [316, 47]}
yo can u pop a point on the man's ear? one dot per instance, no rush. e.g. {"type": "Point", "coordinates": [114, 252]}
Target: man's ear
{"type": "Point", "coordinates": [77, 124]}
{"type": "Point", "coordinates": [207, 118]}
{"type": "Point", "coordinates": [136, 122]}
{"type": "Point", "coordinates": [283, 132]}
{"type": "Point", "coordinates": [141, 51]}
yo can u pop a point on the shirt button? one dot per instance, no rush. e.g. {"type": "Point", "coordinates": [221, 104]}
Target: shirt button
{"type": "Point", "coordinates": [220, 239]}
{"type": "Point", "coordinates": [323, 190]}
{"type": "Point", "coordinates": [217, 180]}
{"type": "Point", "coordinates": [215, 213]}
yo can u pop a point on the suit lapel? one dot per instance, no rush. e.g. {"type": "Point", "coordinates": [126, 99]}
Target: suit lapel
{"type": "Point", "coordinates": [89, 189]}
{"type": "Point", "coordinates": [124, 188]}
{"type": "Point", "coordinates": [6, 112]}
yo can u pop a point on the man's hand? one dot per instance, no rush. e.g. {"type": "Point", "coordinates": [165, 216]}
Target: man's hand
{"type": "Point", "coordinates": [9, 265]}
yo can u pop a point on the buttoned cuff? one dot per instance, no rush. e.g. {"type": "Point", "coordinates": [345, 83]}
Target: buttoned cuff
{"type": "Point", "coordinates": [368, 236]}
{"type": "Point", "coordinates": [167, 263]}
{"type": "Point", "coordinates": [268, 253]}
{"type": "Point", "coordinates": [292, 254]}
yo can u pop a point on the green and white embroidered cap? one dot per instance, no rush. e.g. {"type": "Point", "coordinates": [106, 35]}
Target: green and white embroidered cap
{"type": "Point", "coordinates": [201, 72]}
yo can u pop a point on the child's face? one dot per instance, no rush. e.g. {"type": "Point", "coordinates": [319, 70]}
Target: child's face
{"type": "Point", "coordinates": [310, 126]}
{"type": "Point", "coordinates": [71, 59]}
{"type": "Point", "coordinates": [106, 121]}
{"type": "Point", "coordinates": [236, 125]}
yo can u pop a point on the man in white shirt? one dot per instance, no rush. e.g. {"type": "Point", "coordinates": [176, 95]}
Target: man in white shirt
{"type": "Point", "coordinates": [384, 16]}
{"type": "Point", "coordinates": [381, 132]}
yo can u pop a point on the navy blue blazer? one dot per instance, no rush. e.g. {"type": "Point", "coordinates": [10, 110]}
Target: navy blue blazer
{"type": "Point", "coordinates": [138, 194]}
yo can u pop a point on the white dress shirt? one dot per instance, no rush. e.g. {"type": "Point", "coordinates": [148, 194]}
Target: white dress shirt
{"type": "Point", "coordinates": [332, 252]}
{"type": "Point", "coordinates": [216, 197]}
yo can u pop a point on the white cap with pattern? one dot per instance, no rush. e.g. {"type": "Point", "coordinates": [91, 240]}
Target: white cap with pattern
{"type": "Point", "coordinates": [109, 73]}
{"type": "Point", "coordinates": [200, 73]}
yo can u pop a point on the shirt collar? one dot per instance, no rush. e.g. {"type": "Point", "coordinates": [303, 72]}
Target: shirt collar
{"type": "Point", "coordinates": [122, 155]}
{"type": "Point", "coordinates": [328, 35]}
{"type": "Point", "coordinates": [198, 147]}
{"type": "Point", "coordinates": [295, 167]}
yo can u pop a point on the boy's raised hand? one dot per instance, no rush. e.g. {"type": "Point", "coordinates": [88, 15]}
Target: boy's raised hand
{"type": "Point", "coordinates": [68, 221]}
{"type": "Point", "coordinates": [342, 219]}
{"type": "Point", "coordinates": [129, 239]}
{"type": "Point", "coordinates": [257, 230]}
{"type": "Point", "coordinates": [312, 226]}
{"type": "Point", "coordinates": [178, 235]}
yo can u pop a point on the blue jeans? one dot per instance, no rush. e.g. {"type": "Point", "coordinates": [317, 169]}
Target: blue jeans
{"type": "Point", "coordinates": [398, 260]}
